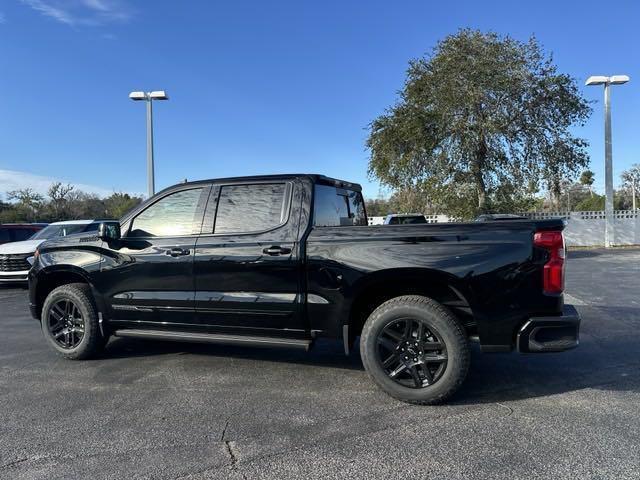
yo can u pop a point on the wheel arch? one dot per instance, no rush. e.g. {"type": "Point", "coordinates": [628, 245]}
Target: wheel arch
{"type": "Point", "coordinates": [53, 277]}
{"type": "Point", "coordinates": [376, 288]}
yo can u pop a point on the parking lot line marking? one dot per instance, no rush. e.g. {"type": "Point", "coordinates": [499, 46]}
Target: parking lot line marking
{"type": "Point", "coordinates": [570, 299]}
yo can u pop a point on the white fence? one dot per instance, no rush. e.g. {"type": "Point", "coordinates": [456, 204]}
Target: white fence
{"type": "Point", "coordinates": [584, 229]}
{"type": "Point", "coordinates": [430, 219]}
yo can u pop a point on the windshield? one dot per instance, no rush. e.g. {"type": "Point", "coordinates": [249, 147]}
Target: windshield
{"type": "Point", "coordinates": [61, 230]}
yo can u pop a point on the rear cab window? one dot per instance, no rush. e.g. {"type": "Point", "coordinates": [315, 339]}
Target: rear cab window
{"type": "Point", "coordinates": [338, 207]}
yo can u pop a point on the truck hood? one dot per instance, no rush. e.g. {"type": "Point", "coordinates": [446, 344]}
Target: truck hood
{"type": "Point", "coordinates": [26, 246]}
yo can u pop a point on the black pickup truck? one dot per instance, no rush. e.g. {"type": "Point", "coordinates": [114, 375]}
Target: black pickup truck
{"type": "Point", "coordinates": [283, 260]}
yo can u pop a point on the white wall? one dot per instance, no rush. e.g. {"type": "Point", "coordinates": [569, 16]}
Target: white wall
{"type": "Point", "coordinates": [584, 229]}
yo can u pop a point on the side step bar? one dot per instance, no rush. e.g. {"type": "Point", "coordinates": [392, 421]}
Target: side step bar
{"type": "Point", "coordinates": [219, 338]}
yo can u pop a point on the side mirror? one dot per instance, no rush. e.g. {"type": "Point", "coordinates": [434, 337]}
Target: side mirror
{"type": "Point", "coordinates": [109, 231]}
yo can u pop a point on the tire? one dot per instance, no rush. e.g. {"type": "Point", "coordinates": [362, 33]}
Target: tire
{"type": "Point", "coordinates": [73, 342]}
{"type": "Point", "coordinates": [441, 359]}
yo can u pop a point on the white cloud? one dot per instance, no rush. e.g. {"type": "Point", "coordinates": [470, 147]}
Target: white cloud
{"type": "Point", "coordinates": [97, 5]}
{"type": "Point", "coordinates": [14, 180]}
{"type": "Point", "coordinates": [82, 12]}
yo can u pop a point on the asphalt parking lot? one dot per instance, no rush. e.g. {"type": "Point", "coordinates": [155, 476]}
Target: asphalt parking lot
{"type": "Point", "coordinates": [172, 411]}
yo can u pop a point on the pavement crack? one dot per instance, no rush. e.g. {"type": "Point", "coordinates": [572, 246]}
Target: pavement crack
{"type": "Point", "coordinates": [15, 462]}
{"type": "Point", "coordinates": [507, 407]}
{"type": "Point", "coordinates": [224, 430]}
{"type": "Point", "coordinates": [232, 455]}
{"type": "Point", "coordinates": [234, 459]}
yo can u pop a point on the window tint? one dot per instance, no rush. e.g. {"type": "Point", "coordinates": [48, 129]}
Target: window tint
{"type": "Point", "coordinates": [20, 234]}
{"type": "Point", "coordinates": [4, 235]}
{"type": "Point", "coordinates": [356, 208]}
{"type": "Point", "coordinates": [412, 220]}
{"type": "Point", "coordinates": [171, 216]}
{"type": "Point", "coordinates": [251, 208]}
{"type": "Point", "coordinates": [407, 220]}
{"type": "Point", "coordinates": [334, 207]}
{"type": "Point", "coordinates": [92, 227]}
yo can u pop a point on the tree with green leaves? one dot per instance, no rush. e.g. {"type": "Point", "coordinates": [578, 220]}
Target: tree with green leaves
{"type": "Point", "coordinates": [479, 125]}
{"type": "Point", "coordinates": [587, 179]}
{"type": "Point", "coordinates": [120, 203]}
{"type": "Point", "coordinates": [377, 207]}
{"type": "Point", "coordinates": [631, 182]}
{"type": "Point", "coordinates": [64, 203]}
{"type": "Point", "coordinates": [28, 203]}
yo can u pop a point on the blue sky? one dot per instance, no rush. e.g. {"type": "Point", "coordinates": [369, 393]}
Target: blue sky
{"type": "Point", "coordinates": [261, 86]}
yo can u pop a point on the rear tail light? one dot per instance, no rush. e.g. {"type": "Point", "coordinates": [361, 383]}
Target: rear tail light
{"type": "Point", "coordinates": [553, 274]}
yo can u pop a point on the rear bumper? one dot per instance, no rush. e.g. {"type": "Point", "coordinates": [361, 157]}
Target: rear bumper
{"type": "Point", "coordinates": [550, 334]}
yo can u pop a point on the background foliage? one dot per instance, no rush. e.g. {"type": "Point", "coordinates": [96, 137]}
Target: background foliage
{"type": "Point", "coordinates": [481, 125]}
{"type": "Point", "coordinates": [63, 202]}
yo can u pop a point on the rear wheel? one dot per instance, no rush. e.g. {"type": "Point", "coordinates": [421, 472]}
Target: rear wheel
{"type": "Point", "coordinates": [415, 350]}
{"type": "Point", "coordinates": [70, 322]}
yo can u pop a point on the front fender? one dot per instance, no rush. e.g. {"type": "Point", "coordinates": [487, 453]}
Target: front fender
{"type": "Point", "coordinates": [60, 267]}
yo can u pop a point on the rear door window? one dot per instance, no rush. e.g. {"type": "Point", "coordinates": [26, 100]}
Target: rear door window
{"type": "Point", "coordinates": [252, 208]}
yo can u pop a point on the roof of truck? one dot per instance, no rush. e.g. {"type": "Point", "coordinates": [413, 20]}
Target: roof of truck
{"type": "Point", "coordinates": [316, 178]}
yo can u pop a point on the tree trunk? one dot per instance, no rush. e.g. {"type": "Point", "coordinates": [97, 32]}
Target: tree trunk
{"type": "Point", "coordinates": [477, 165]}
{"type": "Point", "coordinates": [556, 193]}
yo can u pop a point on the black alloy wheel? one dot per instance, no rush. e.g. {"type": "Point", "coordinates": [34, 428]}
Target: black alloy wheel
{"type": "Point", "coordinates": [70, 322]}
{"type": "Point", "coordinates": [66, 324]}
{"type": "Point", "coordinates": [415, 349]}
{"type": "Point", "coordinates": [411, 353]}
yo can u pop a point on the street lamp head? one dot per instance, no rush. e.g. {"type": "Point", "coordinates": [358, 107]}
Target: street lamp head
{"type": "Point", "coordinates": [619, 79]}
{"type": "Point", "coordinates": [597, 80]}
{"type": "Point", "coordinates": [158, 95]}
{"type": "Point", "coordinates": [602, 80]}
{"type": "Point", "coordinates": [138, 96]}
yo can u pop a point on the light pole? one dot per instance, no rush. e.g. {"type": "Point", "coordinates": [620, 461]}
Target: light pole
{"type": "Point", "coordinates": [608, 162]}
{"type": "Point", "coordinates": [149, 97]}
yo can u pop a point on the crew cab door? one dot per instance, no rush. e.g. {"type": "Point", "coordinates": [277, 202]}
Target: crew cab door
{"type": "Point", "coordinates": [247, 260]}
{"type": "Point", "coordinates": [147, 275]}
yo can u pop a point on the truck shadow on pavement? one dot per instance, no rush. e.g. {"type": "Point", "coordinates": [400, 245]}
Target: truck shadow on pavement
{"type": "Point", "coordinates": [493, 378]}
{"type": "Point", "coordinates": [324, 354]}
{"type": "Point", "coordinates": [610, 364]}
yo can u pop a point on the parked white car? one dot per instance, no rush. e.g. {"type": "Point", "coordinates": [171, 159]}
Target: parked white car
{"type": "Point", "coordinates": [15, 257]}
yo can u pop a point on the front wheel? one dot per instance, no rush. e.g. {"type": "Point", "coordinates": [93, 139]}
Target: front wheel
{"type": "Point", "coordinates": [70, 322]}
{"type": "Point", "coordinates": [415, 350]}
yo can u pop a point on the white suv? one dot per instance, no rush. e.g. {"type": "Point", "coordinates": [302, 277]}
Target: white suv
{"type": "Point", "coordinates": [15, 257]}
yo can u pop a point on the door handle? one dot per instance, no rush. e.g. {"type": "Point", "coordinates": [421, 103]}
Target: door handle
{"type": "Point", "coordinates": [276, 250]}
{"type": "Point", "coordinates": [177, 252]}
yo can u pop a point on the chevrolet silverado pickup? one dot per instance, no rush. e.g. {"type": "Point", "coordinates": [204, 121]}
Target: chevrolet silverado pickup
{"type": "Point", "coordinates": [285, 260]}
